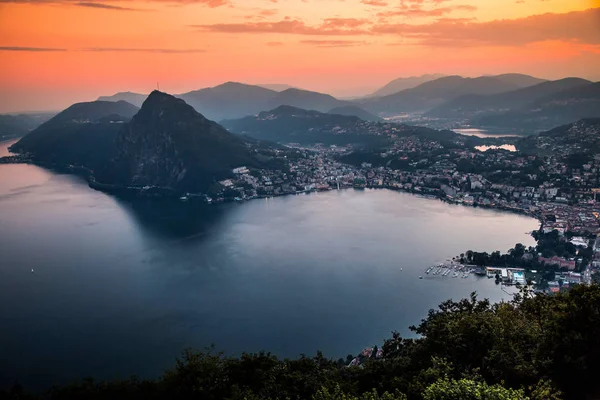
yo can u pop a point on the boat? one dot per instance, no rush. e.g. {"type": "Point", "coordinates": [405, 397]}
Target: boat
{"type": "Point", "coordinates": [420, 277]}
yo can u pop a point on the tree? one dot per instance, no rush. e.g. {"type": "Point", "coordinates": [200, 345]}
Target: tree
{"type": "Point", "coordinates": [469, 256]}
{"type": "Point", "coordinates": [465, 389]}
{"type": "Point", "coordinates": [337, 394]}
{"type": "Point", "coordinates": [535, 346]}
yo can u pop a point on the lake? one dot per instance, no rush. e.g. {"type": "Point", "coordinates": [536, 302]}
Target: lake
{"type": "Point", "coordinates": [486, 133]}
{"type": "Point", "coordinates": [509, 147]}
{"type": "Point", "coordinates": [120, 286]}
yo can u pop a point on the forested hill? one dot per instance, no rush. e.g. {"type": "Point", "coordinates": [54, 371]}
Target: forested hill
{"type": "Point", "coordinates": [534, 347]}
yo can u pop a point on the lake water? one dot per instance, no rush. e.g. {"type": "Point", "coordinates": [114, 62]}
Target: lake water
{"type": "Point", "coordinates": [509, 147]}
{"type": "Point", "coordinates": [120, 287]}
{"type": "Point", "coordinates": [485, 133]}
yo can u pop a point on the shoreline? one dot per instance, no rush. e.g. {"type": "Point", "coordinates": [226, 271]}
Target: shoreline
{"type": "Point", "coordinates": [163, 192]}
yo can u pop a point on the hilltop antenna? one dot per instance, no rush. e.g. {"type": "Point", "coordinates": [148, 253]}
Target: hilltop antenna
{"type": "Point", "coordinates": [157, 86]}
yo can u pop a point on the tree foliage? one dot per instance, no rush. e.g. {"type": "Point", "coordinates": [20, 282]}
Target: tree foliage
{"type": "Point", "coordinates": [466, 389]}
{"type": "Point", "coordinates": [536, 346]}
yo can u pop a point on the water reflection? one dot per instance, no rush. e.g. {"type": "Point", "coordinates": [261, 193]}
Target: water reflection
{"type": "Point", "coordinates": [485, 133]}
{"type": "Point", "coordinates": [509, 147]}
{"type": "Point", "coordinates": [172, 219]}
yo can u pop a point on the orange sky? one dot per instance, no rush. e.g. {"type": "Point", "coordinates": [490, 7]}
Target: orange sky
{"type": "Point", "coordinates": [56, 52]}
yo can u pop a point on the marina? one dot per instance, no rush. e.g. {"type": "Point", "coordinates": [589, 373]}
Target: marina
{"type": "Point", "coordinates": [451, 269]}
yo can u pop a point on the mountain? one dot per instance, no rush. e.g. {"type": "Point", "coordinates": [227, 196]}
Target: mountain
{"type": "Point", "coordinates": [400, 84]}
{"type": "Point", "coordinates": [433, 93]}
{"type": "Point", "coordinates": [15, 126]}
{"type": "Point", "coordinates": [235, 100]}
{"type": "Point", "coordinates": [132, 98]}
{"type": "Point", "coordinates": [278, 87]}
{"type": "Point", "coordinates": [287, 124]}
{"type": "Point", "coordinates": [519, 80]}
{"type": "Point", "coordinates": [471, 104]}
{"type": "Point", "coordinates": [352, 110]}
{"type": "Point", "coordinates": [305, 99]}
{"type": "Point", "coordinates": [168, 144]}
{"type": "Point", "coordinates": [82, 134]}
{"type": "Point", "coordinates": [548, 111]}
{"type": "Point", "coordinates": [581, 137]}
{"type": "Point", "coordinates": [229, 100]}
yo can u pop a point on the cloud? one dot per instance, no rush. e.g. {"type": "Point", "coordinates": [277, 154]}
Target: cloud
{"type": "Point", "coordinates": [113, 6]}
{"type": "Point", "coordinates": [377, 3]}
{"type": "Point", "coordinates": [578, 27]}
{"type": "Point", "coordinates": [331, 27]}
{"type": "Point", "coordinates": [105, 6]}
{"type": "Point", "coordinates": [142, 50]}
{"type": "Point", "coordinates": [418, 11]}
{"type": "Point", "coordinates": [274, 44]}
{"type": "Point", "coordinates": [334, 23]}
{"type": "Point", "coordinates": [31, 49]}
{"type": "Point", "coordinates": [333, 43]}
{"type": "Point", "coordinates": [103, 49]}
{"type": "Point", "coordinates": [403, 3]}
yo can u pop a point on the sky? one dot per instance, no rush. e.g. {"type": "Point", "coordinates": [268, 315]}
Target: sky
{"type": "Point", "coordinates": [57, 52]}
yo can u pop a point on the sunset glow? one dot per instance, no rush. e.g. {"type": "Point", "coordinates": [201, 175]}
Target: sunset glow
{"type": "Point", "coordinates": [56, 52]}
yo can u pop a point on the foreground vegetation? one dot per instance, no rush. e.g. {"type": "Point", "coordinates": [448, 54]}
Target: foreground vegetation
{"type": "Point", "coordinates": [536, 347]}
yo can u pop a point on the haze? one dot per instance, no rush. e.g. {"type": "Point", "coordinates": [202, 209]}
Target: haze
{"type": "Point", "coordinates": [57, 52]}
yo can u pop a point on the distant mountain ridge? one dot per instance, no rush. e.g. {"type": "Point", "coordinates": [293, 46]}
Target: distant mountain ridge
{"type": "Point", "coordinates": [470, 104]}
{"type": "Point", "coordinates": [235, 100]}
{"type": "Point", "coordinates": [132, 98]}
{"type": "Point", "coordinates": [400, 84]}
{"type": "Point", "coordinates": [287, 124]}
{"type": "Point", "coordinates": [433, 93]}
{"type": "Point", "coordinates": [82, 134]}
{"type": "Point", "coordinates": [579, 102]}
{"type": "Point", "coordinates": [581, 137]}
{"type": "Point", "coordinates": [229, 100]}
{"type": "Point", "coordinates": [520, 80]}
{"type": "Point", "coordinates": [356, 111]}
{"type": "Point", "coordinates": [15, 126]}
{"type": "Point", "coordinates": [278, 87]}
{"type": "Point", "coordinates": [475, 101]}
{"type": "Point", "coordinates": [306, 99]}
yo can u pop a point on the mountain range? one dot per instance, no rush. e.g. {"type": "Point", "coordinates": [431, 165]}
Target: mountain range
{"type": "Point", "coordinates": [166, 144]}
{"type": "Point", "coordinates": [471, 104]}
{"type": "Point", "coordinates": [14, 126]}
{"type": "Point", "coordinates": [137, 99]}
{"type": "Point", "coordinates": [400, 84]}
{"type": "Point", "coordinates": [355, 111]}
{"type": "Point", "coordinates": [563, 107]}
{"type": "Point", "coordinates": [82, 134]}
{"type": "Point", "coordinates": [581, 138]}
{"type": "Point", "coordinates": [446, 97]}
{"type": "Point", "coordinates": [235, 100]}
{"type": "Point", "coordinates": [278, 87]}
{"type": "Point", "coordinates": [287, 124]}
{"type": "Point", "coordinates": [433, 93]}
{"type": "Point", "coordinates": [232, 100]}
{"type": "Point", "coordinates": [516, 101]}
